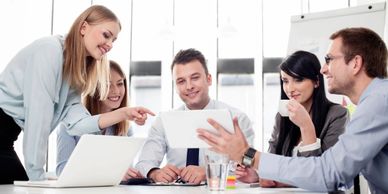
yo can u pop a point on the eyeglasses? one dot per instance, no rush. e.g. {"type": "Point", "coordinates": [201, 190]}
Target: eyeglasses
{"type": "Point", "coordinates": [331, 58]}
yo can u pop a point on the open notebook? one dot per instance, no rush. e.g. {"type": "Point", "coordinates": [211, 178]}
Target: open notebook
{"type": "Point", "coordinates": [97, 160]}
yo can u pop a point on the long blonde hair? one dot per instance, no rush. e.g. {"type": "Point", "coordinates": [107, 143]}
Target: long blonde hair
{"type": "Point", "coordinates": [84, 73]}
{"type": "Point", "coordinates": [93, 103]}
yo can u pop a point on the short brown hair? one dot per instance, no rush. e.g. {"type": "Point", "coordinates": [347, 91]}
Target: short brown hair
{"type": "Point", "coordinates": [188, 55]}
{"type": "Point", "coordinates": [367, 44]}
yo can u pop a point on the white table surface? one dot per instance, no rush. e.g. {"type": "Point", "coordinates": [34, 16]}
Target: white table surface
{"type": "Point", "coordinates": [11, 189]}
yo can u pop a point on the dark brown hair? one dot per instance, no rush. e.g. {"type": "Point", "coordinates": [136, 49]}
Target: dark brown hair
{"type": "Point", "coordinates": [367, 44]}
{"type": "Point", "coordinates": [189, 55]}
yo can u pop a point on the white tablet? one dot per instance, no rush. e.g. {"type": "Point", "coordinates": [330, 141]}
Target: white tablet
{"type": "Point", "coordinates": [181, 126]}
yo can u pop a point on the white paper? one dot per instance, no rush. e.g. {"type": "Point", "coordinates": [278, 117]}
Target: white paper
{"type": "Point", "coordinates": [181, 126]}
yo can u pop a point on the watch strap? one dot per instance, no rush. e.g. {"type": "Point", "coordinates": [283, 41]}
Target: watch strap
{"type": "Point", "coordinates": [250, 152]}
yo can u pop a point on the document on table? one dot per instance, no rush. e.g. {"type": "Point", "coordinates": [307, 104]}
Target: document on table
{"type": "Point", "coordinates": [146, 181]}
{"type": "Point", "coordinates": [181, 126]}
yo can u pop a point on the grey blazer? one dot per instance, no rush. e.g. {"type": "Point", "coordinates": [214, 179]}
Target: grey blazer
{"type": "Point", "coordinates": [336, 120]}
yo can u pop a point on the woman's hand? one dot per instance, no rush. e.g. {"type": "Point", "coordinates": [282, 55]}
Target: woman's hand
{"type": "Point", "coordinates": [246, 175]}
{"type": "Point", "coordinates": [300, 117]}
{"type": "Point", "coordinates": [138, 114]}
{"type": "Point", "coordinates": [298, 114]}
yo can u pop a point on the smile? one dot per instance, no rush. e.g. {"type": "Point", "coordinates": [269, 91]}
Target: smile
{"type": "Point", "coordinates": [295, 96]}
{"type": "Point", "coordinates": [115, 98]}
{"type": "Point", "coordinates": [103, 50]}
{"type": "Point", "coordinates": [192, 94]}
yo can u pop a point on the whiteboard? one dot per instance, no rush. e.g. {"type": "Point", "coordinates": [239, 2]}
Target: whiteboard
{"type": "Point", "coordinates": [311, 32]}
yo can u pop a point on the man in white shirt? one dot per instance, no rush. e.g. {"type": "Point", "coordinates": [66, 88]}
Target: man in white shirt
{"type": "Point", "coordinates": [192, 81]}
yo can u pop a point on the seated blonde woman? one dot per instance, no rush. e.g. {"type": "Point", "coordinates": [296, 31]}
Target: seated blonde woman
{"type": "Point", "coordinates": [117, 98]}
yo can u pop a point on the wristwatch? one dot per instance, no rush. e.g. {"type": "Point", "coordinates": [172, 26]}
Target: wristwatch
{"type": "Point", "coordinates": [249, 157]}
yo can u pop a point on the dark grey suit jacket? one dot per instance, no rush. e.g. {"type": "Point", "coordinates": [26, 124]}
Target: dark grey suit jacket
{"type": "Point", "coordinates": [336, 120]}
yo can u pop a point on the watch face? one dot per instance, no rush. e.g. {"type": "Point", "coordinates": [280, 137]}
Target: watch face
{"type": "Point", "coordinates": [248, 157]}
{"type": "Point", "coordinates": [247, 161]}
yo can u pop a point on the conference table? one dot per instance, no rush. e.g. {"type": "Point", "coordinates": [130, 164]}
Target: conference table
{"type": "Point", "coordinates": [128, 189]}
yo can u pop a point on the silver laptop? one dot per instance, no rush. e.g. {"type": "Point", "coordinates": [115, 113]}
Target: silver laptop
{"type": "Point", "coordinates": [97, 160]}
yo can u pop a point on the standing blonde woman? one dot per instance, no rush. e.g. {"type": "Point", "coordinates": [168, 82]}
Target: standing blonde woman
{"type": "Point", "coordinates": [41, 87]}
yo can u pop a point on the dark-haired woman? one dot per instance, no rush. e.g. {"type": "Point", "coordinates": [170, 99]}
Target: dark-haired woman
{"type": "Point", "coordinates": [314, 123]}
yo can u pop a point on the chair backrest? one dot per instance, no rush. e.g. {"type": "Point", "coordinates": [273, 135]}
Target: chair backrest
{"type": "Point", "coordinates": [235, 66]}
{"type": "Point", "coordinates": [271, 64]}
{"type": "Point", "coordinates": [144, 68]}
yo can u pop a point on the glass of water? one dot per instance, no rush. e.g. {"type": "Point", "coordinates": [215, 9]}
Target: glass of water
{"type": "Point", "coordinates": [217, 167]}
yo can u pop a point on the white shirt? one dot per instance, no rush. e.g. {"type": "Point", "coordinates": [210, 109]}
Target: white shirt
{"type": "Point", "coordinates": [156, 145]}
